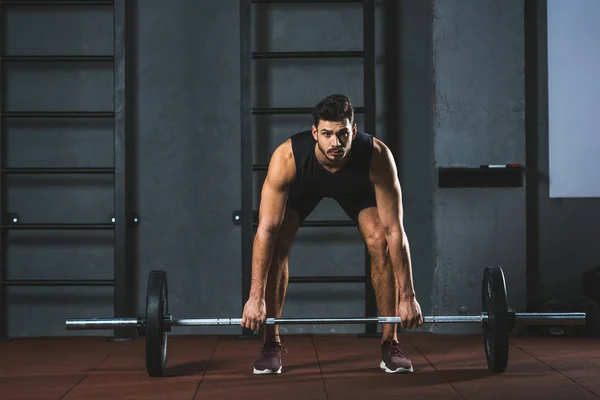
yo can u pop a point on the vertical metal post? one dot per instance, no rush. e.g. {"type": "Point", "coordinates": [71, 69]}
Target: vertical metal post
{"type": "Point", "coordinates": [535, 39]}
{"type": "Point", "coordinates": [246, 148]}
{"type": "Point", "coordinates": [3, 232]}
{"type": "Point", "coordinates": [370, 116]}
{"type": "Point", "coordinates": [122, 289]}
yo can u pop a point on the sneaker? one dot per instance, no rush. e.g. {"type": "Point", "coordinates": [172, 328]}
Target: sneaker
{"type": "Point", "coordinates": [393, 360]}
{"type": "Point", "coordinates": [269, 361]}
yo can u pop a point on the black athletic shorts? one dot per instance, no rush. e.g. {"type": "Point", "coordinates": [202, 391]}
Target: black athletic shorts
{"type": "Point", "coordinates": [305, 201]}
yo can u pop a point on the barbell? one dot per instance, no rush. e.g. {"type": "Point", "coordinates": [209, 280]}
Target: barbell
{"type": "Point", "coordinates": [496, 319]}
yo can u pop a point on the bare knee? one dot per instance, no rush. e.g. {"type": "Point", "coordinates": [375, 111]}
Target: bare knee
{"type": "Point", "coordinates": [374, 235]}
{"type": "Point", "coordinates": [376, 245]}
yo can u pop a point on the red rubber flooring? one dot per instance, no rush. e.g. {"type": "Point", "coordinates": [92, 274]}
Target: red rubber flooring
{"type": "Point", "coordinates": [316, 367]}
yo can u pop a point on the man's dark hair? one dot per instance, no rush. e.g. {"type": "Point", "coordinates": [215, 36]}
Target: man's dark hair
{"type": "Point", "coordinates": [335, 108]}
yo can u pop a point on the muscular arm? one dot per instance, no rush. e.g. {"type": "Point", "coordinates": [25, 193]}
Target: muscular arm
{"type": "Point", "coordinates": [389, 207]}
{"type": "Point", "coordinates": [282, 172]}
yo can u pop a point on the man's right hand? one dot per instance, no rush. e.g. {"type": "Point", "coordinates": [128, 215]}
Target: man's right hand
{"type": "Point", "coordinates": [255, 313]}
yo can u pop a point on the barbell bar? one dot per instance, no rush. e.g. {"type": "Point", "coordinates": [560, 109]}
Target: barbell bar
{"type": "Point", "coordinates": [520, 319]}
{"type": "Point", "coordinates": [496, 320]}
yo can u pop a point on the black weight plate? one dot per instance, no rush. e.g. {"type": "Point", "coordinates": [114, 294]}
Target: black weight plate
{"type": "Point", "coordinates": [157, 306]}
{"type": "Point", "coordinates": [496, 328]}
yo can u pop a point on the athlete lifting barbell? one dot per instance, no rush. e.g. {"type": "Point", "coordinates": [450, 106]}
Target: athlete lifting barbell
{"type": "Point", "coordinates": [332, 160]}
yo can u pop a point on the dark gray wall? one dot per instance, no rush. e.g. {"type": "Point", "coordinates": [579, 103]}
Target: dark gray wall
{"type": "Point", "coordinates": [450, 90]}
{"type": "Point", "coordinates": [187, 125]}
{"type": "Point", "coordinates": [479, 119]}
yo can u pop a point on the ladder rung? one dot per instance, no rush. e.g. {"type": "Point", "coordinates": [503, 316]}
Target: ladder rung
{"type": "Point", "coordinates": [57, 58]}
{"type": "Point", "coordinates": [58, 114]}
{"type": "Point", "coordinates": [237, 220]}
{"type": "Point", "coordinates": [326, 279]}
{"type": "Point", "coordinates": [324, 223]}
{"type": "Point", "coordinates": [291, 110]}
{"type": "Point", "coordinates": [260, 167]}
{"type": "Point", "coordinates": [58, 2]}
{"type": "Point", "coordinates": [329, 223]}
{"type": "Point", "coordinates": [53, 226]}
{"type": "Point", "coordinates": [307, 54]}
{"type": "Point", "coordinates": [304, 1]}
{"type": "Point", "coordinates": [52, 171]}
{"type": "Point", "coordinates": [58, 282]}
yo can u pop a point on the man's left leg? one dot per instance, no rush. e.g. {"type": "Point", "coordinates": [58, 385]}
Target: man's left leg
{"type": "Point", "coordinates": [385, 286]}
{"type": "Point", "coordinates": [361, 206]}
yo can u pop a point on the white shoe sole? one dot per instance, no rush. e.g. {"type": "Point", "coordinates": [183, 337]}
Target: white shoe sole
{"type": "Point", "coordinates": [267, 371]}
{"type": "Point", "coordinates": [395, 371]}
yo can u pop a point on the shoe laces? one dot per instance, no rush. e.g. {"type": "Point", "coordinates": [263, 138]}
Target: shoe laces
{"type": "Point", "coordinates": [271, 348]}
{"type": "Point", "coordinates": [395, 350]}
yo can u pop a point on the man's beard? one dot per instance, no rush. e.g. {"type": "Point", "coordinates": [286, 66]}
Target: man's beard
{"type": "Point", "coordinates": [333, 158]}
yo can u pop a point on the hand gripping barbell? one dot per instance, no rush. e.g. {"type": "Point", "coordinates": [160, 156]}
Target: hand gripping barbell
{"type": "Point", "coordinates": [496, 319]}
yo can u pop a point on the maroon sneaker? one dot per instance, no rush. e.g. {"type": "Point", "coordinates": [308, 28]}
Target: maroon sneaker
{"type": "Point", "coordinates": [393, 360]}
{"type": "Point", "coordinates": [269, 361]}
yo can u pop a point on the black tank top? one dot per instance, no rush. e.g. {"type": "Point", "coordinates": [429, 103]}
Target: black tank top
{"type": "Point", "coordinates": [313, 177]}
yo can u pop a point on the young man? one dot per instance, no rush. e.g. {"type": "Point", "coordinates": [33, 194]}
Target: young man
{"type": "Point", "coordinates": [358, 171]}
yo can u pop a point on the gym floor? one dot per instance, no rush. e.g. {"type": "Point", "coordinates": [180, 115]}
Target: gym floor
{"type": "Point", "coordinates": [315, 367]}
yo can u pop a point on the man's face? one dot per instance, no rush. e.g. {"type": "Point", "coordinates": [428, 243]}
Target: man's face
{"type": "Point", "coordinates": [334, 139]}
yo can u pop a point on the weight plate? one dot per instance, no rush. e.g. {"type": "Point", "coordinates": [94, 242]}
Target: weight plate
{"type": "Point", "coordinates": [157, 306]}
{"type": "Point", "coordinates": [496, 328]}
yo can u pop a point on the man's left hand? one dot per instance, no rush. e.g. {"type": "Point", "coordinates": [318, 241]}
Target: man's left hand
{"type": "Point", "coordinates": [410, 313]}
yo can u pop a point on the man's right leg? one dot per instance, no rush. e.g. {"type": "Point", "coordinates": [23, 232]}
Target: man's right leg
{"type": "Point", "coordinates": [277, 279]}
{"type": "Point", "coordinates": [269, 361]}
{"type": "Point", "coordinates": [300, 204]}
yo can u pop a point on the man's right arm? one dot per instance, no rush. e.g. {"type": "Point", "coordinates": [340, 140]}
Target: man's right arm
{"type": "Point", "coordinates": [281, 174]}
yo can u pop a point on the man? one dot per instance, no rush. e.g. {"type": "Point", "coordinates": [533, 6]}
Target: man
{"type": "Point", "coordinates": [358, 171]}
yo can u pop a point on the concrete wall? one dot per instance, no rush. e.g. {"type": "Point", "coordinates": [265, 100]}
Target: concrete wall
{"type": "Point", "coordinates": [450, 89]}
{"type": "Point", "coordinates": [479, 119]}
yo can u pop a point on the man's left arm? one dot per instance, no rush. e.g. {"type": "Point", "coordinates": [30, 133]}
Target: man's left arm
{"type": "Point", "coordinates": [389, 206]}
